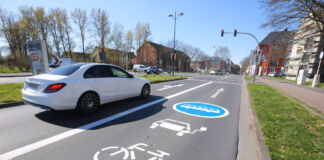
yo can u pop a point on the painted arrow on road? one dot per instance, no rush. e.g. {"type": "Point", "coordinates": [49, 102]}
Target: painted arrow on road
{"type": "Point", "coordinates": [216, 94]}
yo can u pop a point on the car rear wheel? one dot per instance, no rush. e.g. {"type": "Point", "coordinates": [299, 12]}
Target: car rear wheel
{"type": "Point", "coordinates": [146, 90]}
{"type": "Point", "coordinates": [88, 103]}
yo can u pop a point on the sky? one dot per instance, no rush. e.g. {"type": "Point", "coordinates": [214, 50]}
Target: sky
{"type": "Point", "coordinates": [200, 26]}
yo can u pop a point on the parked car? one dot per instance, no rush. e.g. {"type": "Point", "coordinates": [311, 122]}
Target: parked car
{"type": "Point", "coordinates": [212, 72]}
{"type": "Point", "coordinates": [58, 62]}
{"type": "Point", "coordinates": [277, 75]}
{"type": "Point", "coordinates": [140, 68]}
{"type": "Point", "coordinates": [83, 87]}
{"type": "Point", "coordinates": [216, 72]}
{"type": "Point", "coordinates": [271, 74]}
{"type": "Point", "coordinates": [154, 70]}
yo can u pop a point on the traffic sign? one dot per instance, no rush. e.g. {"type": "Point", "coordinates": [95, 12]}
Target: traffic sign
{"type": "Point", "coordinates": [199, 109]}
{"type": "Point", "coordinates": [102, 56]}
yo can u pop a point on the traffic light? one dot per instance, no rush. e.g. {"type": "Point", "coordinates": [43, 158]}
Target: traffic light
{"type": "Point", "coordinates": [235, 32]}
{"type": "Point", "coordinates": [222, 33]}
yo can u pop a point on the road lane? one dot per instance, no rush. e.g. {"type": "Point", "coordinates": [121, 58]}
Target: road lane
{"type": "Point", "coordinates": [218, 142]}
{"type": "Point", "coordinates": [37, 124]}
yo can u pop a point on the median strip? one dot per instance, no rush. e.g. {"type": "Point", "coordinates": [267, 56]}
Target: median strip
{"type": "Point", "coordinates": [290, 131]}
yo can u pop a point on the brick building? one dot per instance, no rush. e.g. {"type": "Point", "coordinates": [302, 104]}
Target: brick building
{"type": "Point", "coordinates": [274, 49]}
{"type": "Point", "coordinates": [152, 54]}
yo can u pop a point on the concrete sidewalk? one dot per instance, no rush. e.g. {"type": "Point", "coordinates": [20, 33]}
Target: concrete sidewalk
{"type": "Point", "coordinates": [307, 95]}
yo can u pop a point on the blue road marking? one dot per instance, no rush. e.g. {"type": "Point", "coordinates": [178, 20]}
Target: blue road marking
{"type": "Point", "coordinates": [199, 109]}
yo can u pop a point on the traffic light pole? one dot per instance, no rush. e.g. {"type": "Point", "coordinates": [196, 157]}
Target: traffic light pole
{"type": "Point", "coordinates": [251, 35]}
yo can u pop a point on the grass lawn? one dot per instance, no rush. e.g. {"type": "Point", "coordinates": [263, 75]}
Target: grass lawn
{"type": "Point", "coordinates": [10, 92]}
{"type": "Point", "coordinates": [13, 70]}
{"type": "Point", "coordinates": [161, 78]}
{"type": "Point", "coordinates": [290, 131]}
{"type": "Point", "coordinates": [248, 78]}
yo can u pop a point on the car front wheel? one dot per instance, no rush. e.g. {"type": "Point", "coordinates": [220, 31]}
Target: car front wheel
{"type": "Point", "coordinates": [146, 90]}
{"type": "Point", "coordinates": [88, 103]}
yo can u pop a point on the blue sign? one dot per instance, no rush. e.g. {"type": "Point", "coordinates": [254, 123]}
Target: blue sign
{"type": "Point", "coordinates": [199, 109]}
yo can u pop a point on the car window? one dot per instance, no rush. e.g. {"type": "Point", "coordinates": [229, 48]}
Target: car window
{"type": "Point", "coordinates": [65, 70]}
{"type": "Point", "coordinates": [118, 72]}
{"type": "Point", "coordinates": [98, 72]}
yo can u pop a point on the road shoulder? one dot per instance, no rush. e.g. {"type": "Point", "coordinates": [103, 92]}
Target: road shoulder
{"type": "Point", "coordinates": [251, 141]}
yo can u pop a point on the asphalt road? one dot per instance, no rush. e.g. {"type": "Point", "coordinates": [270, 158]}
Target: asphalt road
{"type": "Point", "coordinates": [126, 130]}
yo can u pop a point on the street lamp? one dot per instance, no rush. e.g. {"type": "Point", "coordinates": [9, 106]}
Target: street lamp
{"type": "Point", "coordinates": [175, 17]}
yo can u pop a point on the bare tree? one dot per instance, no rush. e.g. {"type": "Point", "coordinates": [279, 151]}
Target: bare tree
{"type": "Point", "coordinates": [142, 32]}
{"type": "Point", "coordinates": [101, 27]}
{"type": "Point", "coordinates": [117, 39]}
{"type": "Point", "coordinates": [53, 28]}
{"type": "Point", "coordinates": [129, 38]}
{"type": "Point", "coordinates": [80, 18]}
{"type": "Point", "coordinates": [283, 13]}
{"type": "Point", "coordinates": [245, 64]}
{"type": "Point", "coordinates": [67, 28]}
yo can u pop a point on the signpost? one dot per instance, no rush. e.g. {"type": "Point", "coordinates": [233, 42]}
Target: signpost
{"type": "Point", "coordinates": [102, 56]}
{"type": "Point", "coordinates": [38, 56]}
{"type": "Point", "coordinates": [317, 76]}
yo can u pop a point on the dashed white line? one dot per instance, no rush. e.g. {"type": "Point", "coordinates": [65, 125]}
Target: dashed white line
{"type": "Point", "coordinates": [42, 143]}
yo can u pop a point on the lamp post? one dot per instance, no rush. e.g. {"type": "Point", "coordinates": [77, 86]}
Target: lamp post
{"type": "Point", "coordinates": [175, 17]}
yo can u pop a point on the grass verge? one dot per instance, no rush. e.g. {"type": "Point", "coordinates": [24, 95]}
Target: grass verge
{"type": "Point", "coordinates": [290, 131]}
{"type": "Point", "coordinates": [161, 78]}
{"type": "Point", "coordinates": [13, 70]}
{"type": "Point", "coordinates": [10, 92]}
{"type": "Point", "coordinates": [248, 78]}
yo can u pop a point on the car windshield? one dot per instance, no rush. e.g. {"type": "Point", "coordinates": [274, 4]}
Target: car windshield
{"type": "Point", "coordinates": [66, 70]}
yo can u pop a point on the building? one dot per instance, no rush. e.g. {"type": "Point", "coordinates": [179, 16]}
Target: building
{"type": "Point", "coordinates": [116, 57]}
{"type": "Point", "coordinates": [152, 54]}
{"type": "Point", "coordinates": [274, 49]}
{"type": "Point", "coordinates": [305, 52]}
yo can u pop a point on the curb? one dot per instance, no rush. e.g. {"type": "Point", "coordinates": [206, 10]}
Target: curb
{"type": "Point", "coordinates": [167, 81]}
{"type": "Point", "coordinates": [251, 141]}
{"type": "Point", "coordinates": [14, 75]}
{"type": "Point", "coordinates": [11, 104]}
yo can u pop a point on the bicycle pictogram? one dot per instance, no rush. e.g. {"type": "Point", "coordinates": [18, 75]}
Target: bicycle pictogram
{"type": "Point", "coordinates": [129, 152]}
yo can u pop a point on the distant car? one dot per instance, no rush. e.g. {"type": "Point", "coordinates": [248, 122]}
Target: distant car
{"type": "Point", "coordinates": [140, 68]}
{"type": "Point", "coordinates": [277, 75]}
{"type": "Point", "coordinates": [83, 87]}
{"type": "Point", "coordinates": [212, 72]}
{"type": "Point", "coordinates": [154, 70]}
{"type": "Point", "coordinates": [271, 74]}
{"type": "Point", "coordinates": [161, 70]}
{"type": "Point", "coordinates": [58, 62]}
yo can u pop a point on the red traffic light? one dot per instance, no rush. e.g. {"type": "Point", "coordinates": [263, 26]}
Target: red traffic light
{"type": "Point", "coordinates": [222, 33]}
{"type": "Point", "coordinates": [235, 32]}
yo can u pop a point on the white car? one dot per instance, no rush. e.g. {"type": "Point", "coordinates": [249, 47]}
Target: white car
{"type": "Point", "coordinates": [140, 68]}
{"type": "Point", "coordinates": [83, 86]}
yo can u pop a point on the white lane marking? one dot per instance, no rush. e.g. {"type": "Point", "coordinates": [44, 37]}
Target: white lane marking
{"type": "Point", "coordinates": [42, 143]}
{"type": "Point", "coordinates": [170, 86]}
{"type": "Point", "coordinates": [216, 93]}
{"type": "Point", "coordinates": [223, 78]}
{"type": "Point", "coordinates": [180, 127]}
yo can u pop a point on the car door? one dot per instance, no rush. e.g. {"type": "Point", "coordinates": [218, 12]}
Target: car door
{"type": "Point", "coordinates": [100, 79]}
{"type": "Point", "coordinates": [127, 85]}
